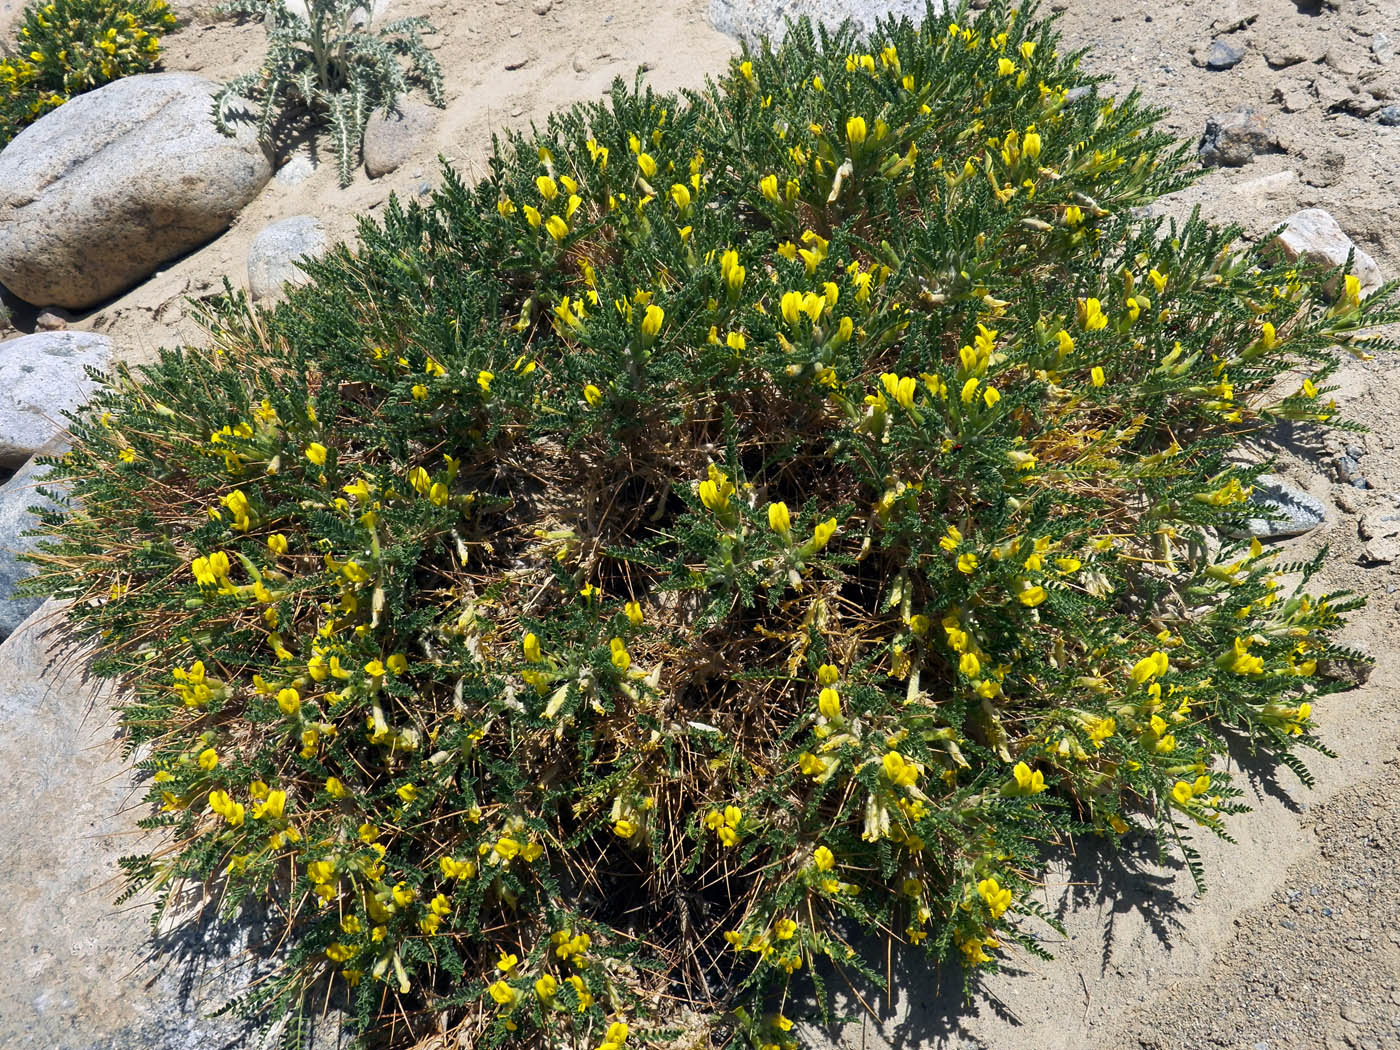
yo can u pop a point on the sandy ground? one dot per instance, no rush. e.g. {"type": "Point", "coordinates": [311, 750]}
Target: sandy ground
{"type": "Point", "coordinates": [1296, 944]}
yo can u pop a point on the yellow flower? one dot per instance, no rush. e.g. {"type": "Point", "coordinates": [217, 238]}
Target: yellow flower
{"type": "Point", "coordinates": [634, 613]}
{"type": "Point", "coordinates": [407, 792]}
{"type": "Point", "coordinates": [646, 164]}
{"type": "Point", "coordinates": [320, 871]}
{"type": "Point", "coordinates": [651, 322]}
{"type": "Point", "coordinates": [289, 700]}
{"type": "Point", "coordinates": [827, 674]}
{"type": "Point", "coordinates": [557, 227]}
{"type": "Point", "coordinates": [1030, 145]}
{"type": "Point", "coordinates": [784, 929]}
{"type": "Point", "coordinates": [822, 859]}
{"type": "Point", "coordinates": [900, 771]}
{"type": "Point", "coordinates": [316, 453]}
{"type": "Point", "coordinates": [1096, 376]}
{"type": "Point", "coordinates": [856, 132]}
{"type": "Point", "coordinates": [778, 518]}
{"type": "Point", "coordinates": [715, 490]}
{"type": "Point", "coordinates": [1028, 782]}
{"type": "Point", "coordinates": [1094, 317]}
{"type": "Point", "coordinates": [967, 563]}
{"type": "Point", "coordinates": [621, 659]}
{"type": "Point", "coordinates": [829, 704]}
{"type": "Point", "coordinates": [1351, 289]}
{"type": "Point", "coordinates": [997, 897]}
{"type": "Point", "coordinates": [277, 543]}
{"type": "Point", "coordinates": [273, 806]}
{"type": "Point", "coordinates": [991, 396]}
{"type": "Point", "coordinates": [546, 988]}
{"type": "Point", "coordinates": [768, 186]}
{"type": "Point", "coordinates": [592, 394]}
{"type": "Point", "coordinates": [821, 535]}
{"type": "Point", "coordinates": [1149, 667]}
{"type": "Point", "coordinates": [208, 759]}
{"type": "Point", "coordinates": [457, 869]}
{"type": "Point", "coordinates": [530, 645]}
{"type": "Point", "coordinates": [1032, 596]}
{"type": "Point", "coordinates": [336, 789]}
{"type": "Point", "coordinates": [503, 993]}
{"type": "Point", "coordinates": [548, 190]}
{"type": "Point", "coordinates": [969, 664]}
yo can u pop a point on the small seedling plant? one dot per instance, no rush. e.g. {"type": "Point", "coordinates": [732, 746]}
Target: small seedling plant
{"type": "Point", "coordinates": [734, 540]}
{"type": "Point", "coordinates": [330, 66]}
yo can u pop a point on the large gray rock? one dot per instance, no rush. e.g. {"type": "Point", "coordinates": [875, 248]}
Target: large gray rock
{"type": "Point", "coordinates": [274, 255]}
{"type": "Point", "coordinates": [751, 19]}
{"type": "Point", "coordinates": [42, 376]}
{"type": "Point", "coordinates": [95, 195]}
{"type": "Point", "coordinates": [17, 496]}
{"type": "Point", "coordinates": [77, 973]}
{"type": "Point", "coordinates": [1314, 236]}
{"type": "Point", "coordinates": [390, 140]}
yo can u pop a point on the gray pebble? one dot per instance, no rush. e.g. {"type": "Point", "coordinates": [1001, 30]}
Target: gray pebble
{"type": "Point", "coordinates": [1223, 56]}
{"type": "Point", "coordinates": [1355, 1013]}
{"type": "Point", "coordinates": [1389, 116]}
{"type": "Point", "coordinates": [1233, 139]}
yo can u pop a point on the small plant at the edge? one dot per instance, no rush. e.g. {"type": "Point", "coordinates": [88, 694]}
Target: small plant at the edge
{"type": "Point", "coordinates": [67, 47]}
{"type": "Point", "coordinates": [612, 599]}
{"type": "Point", "coordinates": [333, 66]}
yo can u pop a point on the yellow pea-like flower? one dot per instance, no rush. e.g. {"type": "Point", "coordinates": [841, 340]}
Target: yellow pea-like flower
{"type": "Point", "coordinates": [856, 132]}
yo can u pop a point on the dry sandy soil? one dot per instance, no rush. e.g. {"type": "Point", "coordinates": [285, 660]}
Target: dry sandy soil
{"type": "Point", "coordinates": [1297, 944]}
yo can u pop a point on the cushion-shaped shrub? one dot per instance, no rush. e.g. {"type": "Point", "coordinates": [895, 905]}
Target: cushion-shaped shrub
{"type": "Point", "coordinates": [741, 521]}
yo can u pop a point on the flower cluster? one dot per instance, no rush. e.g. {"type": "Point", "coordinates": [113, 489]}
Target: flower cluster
{"type": "Point", "coordinates": [736, 521]}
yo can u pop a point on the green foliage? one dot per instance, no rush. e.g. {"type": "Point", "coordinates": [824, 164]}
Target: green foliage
{"type": "Point", "coordinates": [67, 47]}
{"type": "Point", "coordinates": [332, 67]}
{"type": "Point", "coordinates": [741, 521]}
